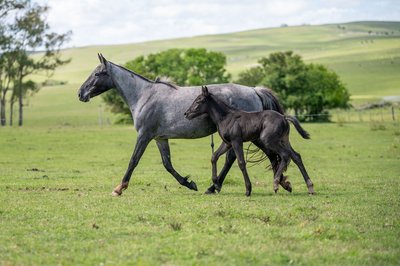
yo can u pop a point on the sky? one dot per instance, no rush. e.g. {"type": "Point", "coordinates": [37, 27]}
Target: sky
{"type": "Point", "coordinates": [103, 22]}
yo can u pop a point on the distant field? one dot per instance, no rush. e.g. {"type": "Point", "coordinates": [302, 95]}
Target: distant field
{"type": "Point", "coordinates": [56, 208]}
{"type": "Point", "coordinates": [368, 63]}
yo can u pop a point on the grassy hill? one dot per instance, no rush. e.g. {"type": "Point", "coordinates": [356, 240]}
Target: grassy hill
{"type": "Point", "coordinates": [366, 55]}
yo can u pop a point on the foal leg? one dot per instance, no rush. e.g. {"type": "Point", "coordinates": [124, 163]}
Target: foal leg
{"type": "Point", "coordinates": [214, 158]}
{"type": "Point", "coordinates": [163, 147]}
{"type": "Point", "coordinates": [284, 153]}
{"type": "Point", "coordinates": [140, 147]}
{"type": "Point", "coordinates": [229, 160]}
{"type": "Point", "coordinates": [238, 148]}
{"type": "Point", "coordinates": [299, 162]}
{"type": "Point", "coordinates": [272, 156]}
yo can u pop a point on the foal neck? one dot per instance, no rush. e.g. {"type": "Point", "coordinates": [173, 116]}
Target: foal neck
{"type": "Point", "coordinates": [218, 110]}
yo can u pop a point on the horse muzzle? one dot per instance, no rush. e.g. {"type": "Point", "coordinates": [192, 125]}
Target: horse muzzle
{"type": "Point", "coordinates": [84, 95]}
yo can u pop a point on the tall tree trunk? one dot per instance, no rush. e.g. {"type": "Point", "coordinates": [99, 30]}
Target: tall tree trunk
{"type": "Point", "coordinates": [20, 102]}
{"type": "Point", "coordinates": [3, 110]}
{"type": "Point", "coordinates": [20, 111]}
{"type": "Point", "coordinates": [11, 112]}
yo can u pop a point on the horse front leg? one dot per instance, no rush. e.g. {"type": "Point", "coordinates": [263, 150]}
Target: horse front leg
{"type": "Point", "coordinates": [299, 162]}
{"type": "Point", "coordinates": [238, 148]}
{"type": "Point", "coordinates": [163, 147]}
{"type": "Point", "coordinates": [223, 148]}
{"type": "Point", "coordinates": [140, 147]}
{"type": "Point", "coordinates": [229, 160]}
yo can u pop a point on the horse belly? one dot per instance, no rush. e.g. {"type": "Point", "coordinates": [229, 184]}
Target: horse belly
{"type": "Point", "coordinates": [187, 129]}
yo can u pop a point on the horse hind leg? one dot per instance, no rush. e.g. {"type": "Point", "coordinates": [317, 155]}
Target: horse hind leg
{"type": "Point", "coordinates": [296, 157]}
{"type": "Point", "coordinates": [284, 153]}
{"type": "Point", "coordinates": [163, 147]}
{"type": "Point", "coordinates": [275, 160]}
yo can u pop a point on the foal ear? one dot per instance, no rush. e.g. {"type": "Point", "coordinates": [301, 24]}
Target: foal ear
{"type": "Point", "coordinates": [205, 90]}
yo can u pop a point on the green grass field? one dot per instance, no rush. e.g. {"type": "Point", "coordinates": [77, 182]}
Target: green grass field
{"type": "Point", "coordinates": [352, 220]}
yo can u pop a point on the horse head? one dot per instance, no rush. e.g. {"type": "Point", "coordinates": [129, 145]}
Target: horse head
{"type": "Point", "coordinates": [199, 105]}
{"type": "Point", "coordinates": [98, 82]}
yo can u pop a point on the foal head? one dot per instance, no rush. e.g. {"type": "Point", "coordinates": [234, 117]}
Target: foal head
{"type": "Point", "coordinates": [98, 82]}
{"type": "Point", "coordinates": [199, 106]}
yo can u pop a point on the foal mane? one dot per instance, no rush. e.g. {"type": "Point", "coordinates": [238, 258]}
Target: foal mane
{"type": "Point", "coordinates": [167, 82]}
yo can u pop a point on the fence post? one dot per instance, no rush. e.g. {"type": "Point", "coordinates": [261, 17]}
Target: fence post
{"type": "Point", "coordinates": [392, 113]}
{"type": "Point", "coordinates": [100, 119]}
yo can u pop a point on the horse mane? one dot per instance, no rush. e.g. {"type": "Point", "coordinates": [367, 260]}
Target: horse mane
{"type": "Point", "coordinates": [166, 81]}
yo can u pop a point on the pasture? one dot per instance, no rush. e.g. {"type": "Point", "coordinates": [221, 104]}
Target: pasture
{"type": "Point", "coordinates": [56, 208]}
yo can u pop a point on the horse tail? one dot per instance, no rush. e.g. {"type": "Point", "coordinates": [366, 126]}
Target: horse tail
{"type": "Point", "coordinates": [268, 99]}
{"type": "Point", "coordinates": [296, 124]}
{"type": "Point", "coordinates": [269, 102]}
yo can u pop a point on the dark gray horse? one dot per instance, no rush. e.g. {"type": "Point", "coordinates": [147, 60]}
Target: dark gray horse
{"type": "Point", "coordinates": [157, 109]}
{"type": "Point", "coordinates": [268, 128]}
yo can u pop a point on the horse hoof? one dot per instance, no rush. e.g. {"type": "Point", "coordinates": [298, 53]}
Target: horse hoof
{"type": "Point", "coordinates": [289, 189]}
{"type": "Point", "coordinates": [248, 194]}
{"type": "Point", "coordinates": [115, 194]}
{"type": "Point", "coordinates": [193, 186]}
{"type": "Point", "coordinates": [209, 191]}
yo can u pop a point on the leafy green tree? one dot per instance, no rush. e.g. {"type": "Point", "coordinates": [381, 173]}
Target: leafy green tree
{"type": "Point", "coordinates": [8, 56]}
{"type": "Point", "coordinates": [308, 89]}
{"type": "Point", "coordinates": [31, 32]}
{"type": "Point", "coordinates": [186, 67]}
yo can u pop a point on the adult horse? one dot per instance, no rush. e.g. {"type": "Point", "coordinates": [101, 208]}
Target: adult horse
{"type": "Point", "coordinates": [158, 112]}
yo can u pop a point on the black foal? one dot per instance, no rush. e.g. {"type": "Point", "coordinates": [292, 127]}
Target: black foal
{"type": "Point", "coordinates": [266, 129]}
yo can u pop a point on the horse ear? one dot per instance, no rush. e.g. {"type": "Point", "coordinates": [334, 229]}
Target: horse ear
{"type": "Point", "coordinates": [205, 90]}
{"type": "Point", "coordinates": [102, 59]}
{"type": "Point", "coordinates": [98, 55]}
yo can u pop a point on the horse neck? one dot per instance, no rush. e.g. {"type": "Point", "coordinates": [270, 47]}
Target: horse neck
{"type": "Point", "coordinates": [129, 85]}
{"type": "Point", "coordinates": [217, 109]}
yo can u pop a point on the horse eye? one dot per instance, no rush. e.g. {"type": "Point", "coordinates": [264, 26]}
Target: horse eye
{"type": "Point", "coordinates": [97, 74]}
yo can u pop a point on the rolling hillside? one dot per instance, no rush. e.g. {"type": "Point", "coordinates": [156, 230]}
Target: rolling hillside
{"type": "Point", "coordinates": [366, 55]}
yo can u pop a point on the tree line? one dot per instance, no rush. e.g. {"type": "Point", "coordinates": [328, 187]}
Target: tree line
{"type": "Point", "coordinates": [24, 31]}
{"type": "Point", "coordinates": [307, 89]}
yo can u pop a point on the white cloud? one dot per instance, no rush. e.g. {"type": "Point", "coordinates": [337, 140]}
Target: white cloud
{"type": "Point", "coordinates": [97, 22]}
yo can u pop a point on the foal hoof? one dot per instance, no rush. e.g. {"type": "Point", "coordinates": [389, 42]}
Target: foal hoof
{"type": "Point", "coordinates": [193, 186]}
{"type": "Point", "coordinates": [209, 191]}
{"type": "Point", "coordinates": [248, 193]}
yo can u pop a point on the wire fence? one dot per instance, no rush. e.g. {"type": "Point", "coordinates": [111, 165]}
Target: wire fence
{"type": "Point", "coordinates": [383, 114]}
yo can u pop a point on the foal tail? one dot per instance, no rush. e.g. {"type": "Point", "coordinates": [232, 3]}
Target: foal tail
{"type": "Point", "coordinates": [296, 124]}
